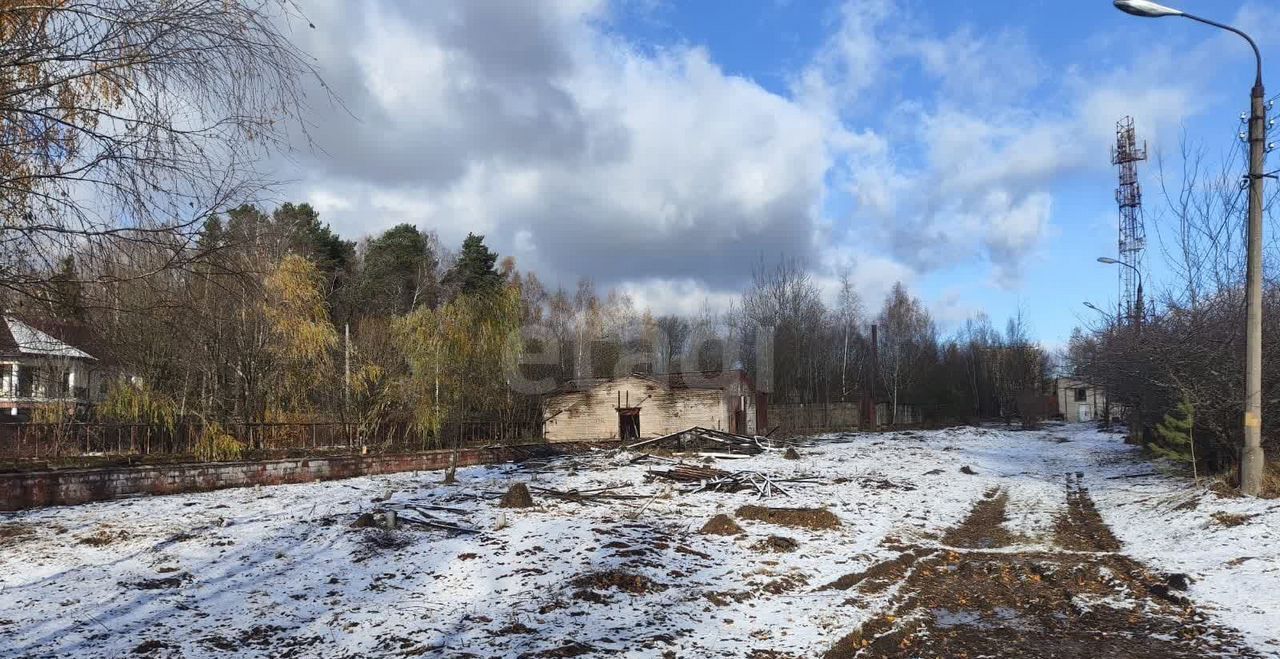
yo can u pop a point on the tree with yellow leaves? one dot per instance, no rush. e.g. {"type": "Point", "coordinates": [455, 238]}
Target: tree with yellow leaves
{"type": "Point", "coordinates": [303, 338]}
{"type": "Point", "coordinates": [458, 356]}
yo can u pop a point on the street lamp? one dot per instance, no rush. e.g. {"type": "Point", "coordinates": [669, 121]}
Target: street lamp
{"type": "Point", "coordinates": [1106, 390]}
{"type": "Point", "coordinates": [1091, 306]}
{"type": "Point", "coordinates": [1136, 425]}
{"type": "Point", "coordinates": [1251, 460]}
{"type": "Point", "coordinates": [1137, 311]}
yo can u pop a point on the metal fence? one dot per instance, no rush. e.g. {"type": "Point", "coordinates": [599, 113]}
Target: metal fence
{"type": "Point", "coordinates": [43, 441]}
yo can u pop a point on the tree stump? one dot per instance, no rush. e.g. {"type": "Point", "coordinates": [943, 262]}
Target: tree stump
{"type": "Point", "coordinates": [517, 496]}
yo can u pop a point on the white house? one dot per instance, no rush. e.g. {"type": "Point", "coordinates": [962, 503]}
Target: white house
{"type": "Point", "coordinates": [1081, 402]}
{"type": "Point", "coordinates": [42, 367]}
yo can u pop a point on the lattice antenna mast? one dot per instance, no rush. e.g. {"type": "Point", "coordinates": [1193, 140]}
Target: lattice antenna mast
{"type": "Point", "coordinates": [1133, 235]}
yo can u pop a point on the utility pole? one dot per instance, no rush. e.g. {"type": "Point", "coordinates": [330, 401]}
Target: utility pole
{"type": "Point", "coordinates": [1251, 458]}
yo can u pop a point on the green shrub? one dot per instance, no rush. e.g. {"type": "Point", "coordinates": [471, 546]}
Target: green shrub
{"type": "Point", "coordinates": [216, 445]}
{"type": "Point", "coordinates": [1175, 438]}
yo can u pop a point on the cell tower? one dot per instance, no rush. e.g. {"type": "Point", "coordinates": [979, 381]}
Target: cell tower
{"type": "Point", "coordinates": [1133, 236]}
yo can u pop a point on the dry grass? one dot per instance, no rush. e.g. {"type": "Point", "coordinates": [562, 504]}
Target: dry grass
{"type": "Point", "coordinates": [15, 533]}
{"type": "Point", "coordinates": [1228, 484]}
{"type": "Point", "coordinates": [1271, 481]}
{"type": "Point", "coordinates": [104, 536]}
{"type": "Point", "coordinates": [1231, 519]}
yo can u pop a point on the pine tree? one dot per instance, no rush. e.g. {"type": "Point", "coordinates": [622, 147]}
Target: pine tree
{"type": "Point", "coordinates": [1175, 437]}
{"type": "Point", "coordinates": [68, 294]}
{"type": "Point", "coordinates": [399, 272]}
{"type": "Point", "coordinates": [474, 271]}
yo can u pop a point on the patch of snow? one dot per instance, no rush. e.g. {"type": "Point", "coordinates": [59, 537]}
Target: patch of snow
{"type": "Point", "coordinates": [275, 570]}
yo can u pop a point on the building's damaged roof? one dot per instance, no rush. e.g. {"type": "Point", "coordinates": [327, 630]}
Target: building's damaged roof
{"type": "Point", "coordinates": [713, 380]}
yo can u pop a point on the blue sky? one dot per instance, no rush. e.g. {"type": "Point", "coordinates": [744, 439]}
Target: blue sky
{"type": "Point", "coordinates": [666, 148]}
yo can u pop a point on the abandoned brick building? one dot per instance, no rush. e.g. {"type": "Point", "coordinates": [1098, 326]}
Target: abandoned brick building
{"type": "Point", "coordinates": [639, 406]}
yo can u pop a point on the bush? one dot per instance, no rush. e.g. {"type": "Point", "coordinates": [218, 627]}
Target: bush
{"type": "Point", "coordinates": [216, 445]}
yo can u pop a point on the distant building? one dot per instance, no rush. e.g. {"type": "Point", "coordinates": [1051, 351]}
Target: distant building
{"type": "Point", "coordinates": [641, 406]}
{"type": "Point", "coordinates": [45, 365]}
{"type": "Point", "coordinates": [1081, 402]}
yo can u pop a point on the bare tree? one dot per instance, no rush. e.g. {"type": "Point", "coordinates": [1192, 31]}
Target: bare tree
{"type": "Point", "coordinates": [134, 121]}
{"type": "Point", "coordinates": [906, 335]}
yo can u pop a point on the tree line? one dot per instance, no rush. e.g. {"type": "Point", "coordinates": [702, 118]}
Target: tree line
{"type": "Point", "coordinates": [277, 318]}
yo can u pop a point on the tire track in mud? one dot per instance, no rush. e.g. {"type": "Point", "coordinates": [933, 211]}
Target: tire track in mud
{"type": "Point", "coordinates": [977, 595]}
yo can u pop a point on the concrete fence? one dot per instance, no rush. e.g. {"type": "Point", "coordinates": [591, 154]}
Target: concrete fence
{"type": "Point", "coordinates": [810, 418]}
{"type": "Point", "coordinates": [74, 486]}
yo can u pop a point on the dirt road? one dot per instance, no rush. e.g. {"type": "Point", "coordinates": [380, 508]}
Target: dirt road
{"type": "Point", "coordinates": [978, 594]}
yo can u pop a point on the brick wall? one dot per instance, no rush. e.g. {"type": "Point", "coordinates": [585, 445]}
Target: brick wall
{"type": "Point", "coordinates": [72, 486]}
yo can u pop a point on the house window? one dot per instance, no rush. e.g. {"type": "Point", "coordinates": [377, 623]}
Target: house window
{"type": "Point", "coordinates": [1082, 395]}
{"type": "Point", "coordinates": [64, 384]}
{"type": "Point", "coordinates": [26, 381]}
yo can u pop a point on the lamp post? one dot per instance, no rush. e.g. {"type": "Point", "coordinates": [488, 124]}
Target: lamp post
{"type": "Point", "coordinates": [1138, 309]}
{"type": "Point", "coordinates": [1106, 390]}
{"type": "Point", "coordinates": [1095, 308]}
{"type": "Point", "coordinates": [1136, 426]}
{"type": "Point", "coordinates": [1251, 459]}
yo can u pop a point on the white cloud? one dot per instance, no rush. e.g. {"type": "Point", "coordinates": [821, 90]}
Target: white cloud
{"type": "Point", "coordinates": [582, 154]}
{"type": "Point", "coordinates": [535, 121]}
{"type": "Point", "coordinates": [684, 297]}
{"type": "Point", "coordinates": [965, 167]}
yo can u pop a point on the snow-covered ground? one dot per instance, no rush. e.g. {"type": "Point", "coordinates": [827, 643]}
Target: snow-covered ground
{"type": "Point", "coordinates": [278, 572]}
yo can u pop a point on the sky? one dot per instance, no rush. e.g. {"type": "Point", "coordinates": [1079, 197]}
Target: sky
{"type": "Point", "coordinates": [668, 149]}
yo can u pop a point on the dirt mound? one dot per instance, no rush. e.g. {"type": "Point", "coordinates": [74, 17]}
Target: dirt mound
{"type": "Point", "coordinates": [791, 454]}
{"type": "Point", "coordinates": [777, 544]}
{"type": "Point", "coordinates": [636, 584]}
{"type": "Point", "coordinates": [517, 496]}
{"type": "Point", "coordinates": [721, 525]}
{"type": "Point", "coordinates": [805, 518]}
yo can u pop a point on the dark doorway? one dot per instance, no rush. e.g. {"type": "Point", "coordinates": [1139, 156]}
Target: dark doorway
{"type": "Point", "coordinates": [628, 423]}
{"type": "Point", "coordinates": [738, 422]}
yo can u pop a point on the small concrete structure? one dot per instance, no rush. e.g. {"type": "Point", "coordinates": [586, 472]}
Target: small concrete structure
{"type": "Point", "coordinates": [642, 406]}
{"type": "Point", "coordinates": [1081, 402]}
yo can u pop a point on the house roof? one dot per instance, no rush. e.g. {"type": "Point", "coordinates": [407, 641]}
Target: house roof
{"type": "Point", "coordinates": [683, 380]}
{"type": "Point", "coordinates": [21, 339]}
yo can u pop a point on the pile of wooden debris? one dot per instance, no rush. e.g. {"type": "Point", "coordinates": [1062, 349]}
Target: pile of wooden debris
{"type": "Point", "coordinates": [696, 478]}
{"type": "Point", "coordinates": [705, 442]}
